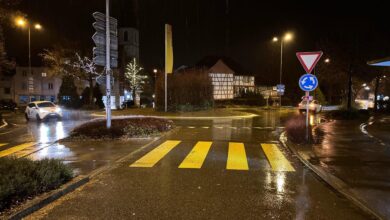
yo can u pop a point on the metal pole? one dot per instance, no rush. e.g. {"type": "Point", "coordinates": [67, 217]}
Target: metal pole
{"type": "Point", "coordinates": [307, 116]}
{"type": "Point", "coordinates": [29, 63]}
{"type": "Point", "coordinates": [281, 70]}
{"type": "Point", "coordinates": [108, 66]}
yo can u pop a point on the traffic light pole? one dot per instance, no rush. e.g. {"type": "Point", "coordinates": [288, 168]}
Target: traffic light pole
{"type": "Point", "coordinates": [108, 67]}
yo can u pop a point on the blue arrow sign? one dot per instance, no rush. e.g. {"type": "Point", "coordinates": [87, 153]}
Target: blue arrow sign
{"type": "Point", "coordinates": [308, 82]}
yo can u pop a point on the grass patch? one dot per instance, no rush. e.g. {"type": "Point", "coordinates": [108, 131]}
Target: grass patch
{"type": "Point", "coordinates": [22, 178]}
{"type": "Point", "coordinates": [122, 128]}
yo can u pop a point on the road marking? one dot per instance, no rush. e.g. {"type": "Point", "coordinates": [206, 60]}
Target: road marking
{"type": "Point", "coordinates": [205, 127]}
{"type": "Point", "coordinates": [16, 149]}
{"type": "Point", "coordinates": [236, 157]}
{"type": "Point", "coordinates": [276, 158]}
{"type": "Point", "coordinates": [197, 155]}
{"type": "Point", "coordinates": [2, 144]}
{"type": "Point", "coordinates": [151, 158]}
{"type": "Point", "coordinates": [219, 127]}
{"type": "Point", "coordinates": [190, 127]}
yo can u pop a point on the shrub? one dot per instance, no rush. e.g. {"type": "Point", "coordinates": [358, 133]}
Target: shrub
{"type": "Point", "coordinates": [296, 129]}
{"type": "Point", "coordinates": [122, 128]}
{"type": "Point", "coordinates": [188, 90]}
{"type": "Point", "coordinates": [23, 178]}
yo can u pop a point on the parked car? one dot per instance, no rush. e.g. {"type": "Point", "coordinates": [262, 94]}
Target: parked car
{"type": "Point", "coordinates": [314, 106]}
{"type": "Point", "coordinates": [7, 104]}
{"type": "Point", "coordinates": [41, 110]}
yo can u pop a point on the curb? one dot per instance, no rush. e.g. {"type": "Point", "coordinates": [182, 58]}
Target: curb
{"type": "Point", "coordinates": [49, 197]}
{"type": "Point", "coordinates": [335, 182]}
{"type": "Point", "coordinates": [188, 117]}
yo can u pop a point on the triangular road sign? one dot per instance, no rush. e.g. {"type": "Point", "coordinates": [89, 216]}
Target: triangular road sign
{"type": "Point", "coordinates": [309, 59]}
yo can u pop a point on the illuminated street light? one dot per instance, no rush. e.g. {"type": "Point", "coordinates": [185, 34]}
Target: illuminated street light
{"type": "Point", "coordinates": [327, 60]}
{"type": "Point", "coordinates": [154, 70]}
{"type": "Point", "coordinates": [287, 37]}
{"type": "Point", "coordinates": [38, 26]}
{"type": "Point", "coordinates": [22, 22]}
{"type": "Point", "coordinates": [367, 88]}
{"type": "Point", "coordinates": [364, 84]}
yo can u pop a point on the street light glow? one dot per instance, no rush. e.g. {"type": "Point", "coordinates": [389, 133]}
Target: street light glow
{"type": "Point", "coordinates": [288, 36]}
{"type": "Point", "coordinates": [275, 39]}
{"type": "Point", "coordinates": [38, 26]}
{"type": "Point", "coordinates": [154, 70]}
{"type": "Point", "coordinates": [20, 21]}
{"type": "Point", "coordinates": [327, 60]}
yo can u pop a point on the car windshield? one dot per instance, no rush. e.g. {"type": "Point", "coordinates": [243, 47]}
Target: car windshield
{"type": "Point", "coordinates": [45, 104]}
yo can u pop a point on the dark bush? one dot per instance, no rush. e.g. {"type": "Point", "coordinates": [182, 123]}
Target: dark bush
{"type": "Point", "coordinates": [23, 178]}
{"type": "Point", "coordinates": [122, 128]}
{"type": "Point", "coordinates": [296, 129]}
{"type": "Point", "coordinates": [188, 90]}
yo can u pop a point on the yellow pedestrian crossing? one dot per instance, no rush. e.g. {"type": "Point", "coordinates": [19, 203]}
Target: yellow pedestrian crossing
{"type": "Point", "coordinates": [276, 158]}
{"type": "Point", "coordinates": [16, 149]}
{"type": "Point", "coordinates": [150, 159]}
{"type": "Point", "coordinates": [2, 144]}
{"type": "Point", "coordinates": [236, 156]}
{"type": "Point", "coordinates": [197, 155]}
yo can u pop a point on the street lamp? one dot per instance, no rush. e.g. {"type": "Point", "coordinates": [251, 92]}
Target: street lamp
{"type": "Point", "coordinates": [286, 38]}
{"type": "Point", "coordinates": [22, 22]}
{"type": "Point", "coordinates": [327, 60]}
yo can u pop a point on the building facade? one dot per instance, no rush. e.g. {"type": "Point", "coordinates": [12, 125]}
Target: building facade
{"type": "Point", "coordinates": [228, 79]}
{"type": "Point", "coordinates": [37, 86]}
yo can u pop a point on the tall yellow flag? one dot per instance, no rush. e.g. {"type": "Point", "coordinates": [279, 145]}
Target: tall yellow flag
{"type": "Point", "coordinates": [168, 49]}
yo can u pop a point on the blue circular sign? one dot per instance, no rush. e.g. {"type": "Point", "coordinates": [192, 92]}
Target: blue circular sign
{"type": "Point", "coordinates": [308, 82]}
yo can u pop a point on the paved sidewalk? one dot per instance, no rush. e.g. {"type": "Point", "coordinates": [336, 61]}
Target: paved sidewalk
{"type": "Point", "coordinates": [355, 163]}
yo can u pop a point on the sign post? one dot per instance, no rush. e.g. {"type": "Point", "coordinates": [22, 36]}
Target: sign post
{"type": "Point", "coordinates": [308, 82]}
{"type": "Point", "coordinates": [168, 61]}
{"type": "Point", "coordinates": [106, 51]}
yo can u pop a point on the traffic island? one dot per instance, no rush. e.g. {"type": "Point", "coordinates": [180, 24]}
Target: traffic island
{"type": "Point", "coordinates": [121, 128]}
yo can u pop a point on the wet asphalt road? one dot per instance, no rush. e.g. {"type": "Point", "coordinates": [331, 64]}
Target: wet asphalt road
{"type": "Point", "coordinates": [165, 191]}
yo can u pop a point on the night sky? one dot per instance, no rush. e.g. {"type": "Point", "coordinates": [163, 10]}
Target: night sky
{"type": "Point", "coordinates": [201, 28]}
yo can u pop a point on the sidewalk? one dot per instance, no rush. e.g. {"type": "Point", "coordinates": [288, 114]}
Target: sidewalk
{"type": "Point", "coordinates": [357, 165]}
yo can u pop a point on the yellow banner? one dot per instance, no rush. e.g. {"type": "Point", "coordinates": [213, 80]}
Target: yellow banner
{"type": "Point", "coordinates": [168, 49]}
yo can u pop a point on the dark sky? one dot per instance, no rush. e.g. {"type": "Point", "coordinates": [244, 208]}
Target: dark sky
{"type": "Point", "coordinates": [200, 28]}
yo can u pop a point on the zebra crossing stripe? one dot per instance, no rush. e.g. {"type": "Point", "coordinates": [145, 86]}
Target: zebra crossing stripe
{"type": "Point", "coordinates": [236, 157]}
{"type": "Point", "coordinates": [151, 158]}
{"type": "Point", "coordinates": [276, 158]}
{"type": "Point", "coordinates": [16, 149]}
{"type": "Point", "coordinates": [197, 155]}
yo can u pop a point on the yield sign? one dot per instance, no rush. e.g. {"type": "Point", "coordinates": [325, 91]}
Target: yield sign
{"type": "Point", "coordinates": [309, 59]}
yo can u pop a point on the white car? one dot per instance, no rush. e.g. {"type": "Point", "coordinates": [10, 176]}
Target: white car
{"type": "Point", "coordinates": [314, 106]}
{"type": "Point", "coordinates": [41, 110]}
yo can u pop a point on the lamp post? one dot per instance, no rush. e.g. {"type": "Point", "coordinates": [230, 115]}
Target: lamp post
{"type": "Point", "coordinates": [22, 22]}
{"type": "Point", "coordinates": [286, 38]}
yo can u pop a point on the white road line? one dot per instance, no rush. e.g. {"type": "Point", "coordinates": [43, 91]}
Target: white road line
{"type": "Point", "coordinates": [205, 127]}
{"type": "Point", "coordinates": [4, 124]}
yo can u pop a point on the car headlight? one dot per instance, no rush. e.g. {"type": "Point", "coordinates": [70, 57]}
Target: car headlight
{"type": "Point", "coordinates": [42, 110]}
{"type": "Point", "coordinates": [58, 110]}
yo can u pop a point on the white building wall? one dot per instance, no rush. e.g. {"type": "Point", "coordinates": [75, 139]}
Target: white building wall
{"type": "Point", "coordinates": [223, 85]}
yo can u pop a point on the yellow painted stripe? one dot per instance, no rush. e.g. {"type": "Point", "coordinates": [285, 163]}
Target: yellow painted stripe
{"type": "Point", "coordinates": [276, 158]}
{"type": "Point", "coordinates": [236, 157]}
{"type": "Point", "coordinates": [2, 144]}
{"type": "Point", "coordinates": [151, 158]}
{"type": "Point", "coordinates": [16, 149]}
{"type": "Point", "coordinates": [197, 155]}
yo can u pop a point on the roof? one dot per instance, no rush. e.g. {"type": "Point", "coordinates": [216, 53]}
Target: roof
{"type": "Point", "coordinates": [380, 62]}
{"type": "Point", "coordinates": [210, 61]}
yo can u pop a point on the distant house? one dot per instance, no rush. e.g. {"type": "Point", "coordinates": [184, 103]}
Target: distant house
{"type": "Point", "coordinates": [24, 87]}
{"type": "Point", "coordinates": [228, 78]}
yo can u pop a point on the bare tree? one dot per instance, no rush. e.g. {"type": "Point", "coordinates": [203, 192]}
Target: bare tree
{"type": "Point", "coordinates": [87, 72]}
